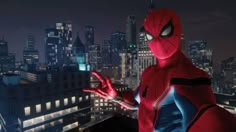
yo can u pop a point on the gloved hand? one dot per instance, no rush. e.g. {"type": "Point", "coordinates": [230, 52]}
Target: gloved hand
{"type": "Point", "coordinates": [104, 89]}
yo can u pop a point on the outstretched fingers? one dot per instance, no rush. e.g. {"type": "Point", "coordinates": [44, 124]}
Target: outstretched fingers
{"type": "Point", "coordinates": [91, 90]}
{"type": "Point", "coordinates": [94, 91]}
{"type": "Point", "coordinates": [99, 77]}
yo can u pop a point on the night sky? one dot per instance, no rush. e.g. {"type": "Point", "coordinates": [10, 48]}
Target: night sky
{"type": "Point", "coordinates": [210, 20]}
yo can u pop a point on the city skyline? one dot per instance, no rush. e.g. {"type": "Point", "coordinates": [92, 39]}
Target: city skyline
{"type": "Point", "coordinates": [211, 23]}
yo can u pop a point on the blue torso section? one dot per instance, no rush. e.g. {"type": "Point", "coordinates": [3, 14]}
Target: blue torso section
{"type": "Point", "coordinates": [175, 113]}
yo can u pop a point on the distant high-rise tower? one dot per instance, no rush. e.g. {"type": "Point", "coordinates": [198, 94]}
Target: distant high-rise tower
{"type": "Point", "coordinates": [7, 61]}
{"type": "Point", "coordinates": [95, 57]}
{"type": "Point", "coordinates": [65, 31]}
{"type": "Point", "coordinates": [145, 56]}
{"type": "Point", "coordinates": [89, 36]}
{"type": "Point", "coordinates": [30, 55]}
{"type": "Point", "coordinates": [228, 71]}
{"type": "Point", "coordinates": [106, 53]}
{"type": "Point", "coordinates": [3, 48]}
{"type": "Point", "coordinates": [30, 42]}
{"type": "Point", "coordinates": [80, 55]}
{"type": "Point", "coordinates": [53, 47]}
{"type": "Point", "coordinates": [118, 44]}
{"type": "Point", "coordinates": [79, 50]}
{"type": "Point", "coordinates": [200, 56]}
{"type": "Point", "coordinates": [59, 45]}
{"type": "Point", "coordinates": [131, 33]}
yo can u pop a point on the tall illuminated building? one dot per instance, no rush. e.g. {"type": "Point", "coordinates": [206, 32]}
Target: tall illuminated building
{"type": "Point", "coordinates": [228, 72]}
{"type": "Point", "coordinates": [59, 45]}
{"type": "Point", "coordinates": [30, 54]}
{"type": "Point", "coordinates": [95, 57]}
{"type": "Point", "coordinates": [200, 55]}
{"type": "Point", "coordinates": [145, 56]}
{"type": "Point", "coordinates": [65, 31]}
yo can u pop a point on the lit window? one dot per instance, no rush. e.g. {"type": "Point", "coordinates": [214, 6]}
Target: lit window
{"type": "Point", "coordinates": [48, 105]}
{"type": "Point", "coordinates": [73, 99]}
{"type": "Point", "coordinates": [80, 99]}
{"type": "Point", "coordinates": [101, 100]}
{"type": "Point", "coordinates": [66, 101]}
{"type": "Point", "coordinates": [38, 108]}
{"type": "Point", "coordinates": [87, 97]}
{"type": "Point", "coordinates": [57, 103]}
{"type": "Point", "coordinates": [101, 104]}
{"type": "Point", "coordinates": [27, 111]}
{"type": "Point", "coordinates": [96, 104]}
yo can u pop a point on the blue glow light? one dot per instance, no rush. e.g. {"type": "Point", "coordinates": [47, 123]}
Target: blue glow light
{"type": "Point", "coordinates": [82, 67]}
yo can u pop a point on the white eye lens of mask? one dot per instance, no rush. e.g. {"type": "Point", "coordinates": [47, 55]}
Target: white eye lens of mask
{"type": "Point", "coordinates": [149, 37]}
{"type": "Point", "coordinates": [166, 31]}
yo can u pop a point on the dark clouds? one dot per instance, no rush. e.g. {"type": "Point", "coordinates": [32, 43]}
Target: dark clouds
{"type": "Point", "coordinates": [211, 20]}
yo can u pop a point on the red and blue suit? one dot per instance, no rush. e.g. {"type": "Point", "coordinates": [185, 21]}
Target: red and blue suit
{"type": "Point", "coordinates": [173, 95]}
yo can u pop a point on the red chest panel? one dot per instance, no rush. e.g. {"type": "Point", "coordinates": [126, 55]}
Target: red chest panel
{"type": "Point", "coordinates": [154, 84]}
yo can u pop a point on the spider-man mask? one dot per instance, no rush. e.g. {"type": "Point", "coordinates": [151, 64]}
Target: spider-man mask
{"type": "Point", "coordinates": [163, 32]}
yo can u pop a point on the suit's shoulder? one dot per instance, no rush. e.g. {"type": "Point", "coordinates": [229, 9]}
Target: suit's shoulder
{"type": "Point", "coordinates": [149, 69]}
{"type": "Point", "coordinates": [188, 70]}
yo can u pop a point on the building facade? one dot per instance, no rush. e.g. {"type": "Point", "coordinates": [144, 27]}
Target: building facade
{"type": "Point", "coordinates": [145, 56]}
{"type": "Point", "coordinates": [95, 57]}
{"type": "Point", "coordinates": [59, 45]}
{"type": "Point", "coordinates": [57, 104]}
{"type": "Point", "coordinates": [228, 74]}
{"type": "Point", "coordinates": [118, 44]}
{"type": "Point", "coordinates": [200, 55]}
{"type": "Point", "coordinates": [89, 36]}
{"type": "Point", "coordinates": [7, 60]}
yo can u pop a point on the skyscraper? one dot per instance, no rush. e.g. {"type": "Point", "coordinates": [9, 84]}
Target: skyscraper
{"type": "Point", "coordinates": [200, 56]}
{"type": "Point", "coordinates": [89, 36]}
{"type": "Point", "coordinates": [118, 44]}
{"type": "Point", "coordinates": [30, 54]}
{"type": "Point", "coordinates": [30, 42]}
{"type": "Point", "coordinates": [106, 53]}
{"type": "Point", "coordinates": [65, 31]}
{"type": "Point", "coordinates": [132, 48]}
{"type": "Point", "coordinates": [7, 61]}
{"type": "Point", "coordinates": [53, 47]}
{"type": "Point", "coordinates": [59, 45]}
{"type": "Point", "coordinates": [131, 33]}
{"type": "Point", "coordinates": [79, 50]}
{"type": "Point", "coordinates": [3, 48]}
{"type": "Point", "coordinates": [228, 71]}
{"type": "Point", "coordinates": [145, 56]}
{"type": "Point", "coordinates": [95, 57]}
{"type": "Point", "coordinates": [80, 55]}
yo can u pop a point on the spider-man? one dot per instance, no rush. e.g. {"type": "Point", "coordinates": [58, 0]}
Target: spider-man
{"type": "Point", "coordinates": [173, 95]}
